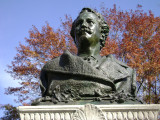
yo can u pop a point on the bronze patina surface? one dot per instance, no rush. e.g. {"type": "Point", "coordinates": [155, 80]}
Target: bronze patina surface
{"type": "Point", "coordinates": [87, 77]}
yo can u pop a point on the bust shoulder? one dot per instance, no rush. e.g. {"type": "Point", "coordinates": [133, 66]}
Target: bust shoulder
{"type": "Point", "coordinates": [112, 58]}
{"type": "Point", "coordinates": [114, 68]}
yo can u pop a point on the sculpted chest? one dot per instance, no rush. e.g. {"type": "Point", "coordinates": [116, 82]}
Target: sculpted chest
{"type": "Point", "coordinates": [70, 78]}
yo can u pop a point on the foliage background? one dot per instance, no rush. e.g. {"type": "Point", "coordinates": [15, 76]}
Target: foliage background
{"type": "Point", "coordinates": [17, 17]}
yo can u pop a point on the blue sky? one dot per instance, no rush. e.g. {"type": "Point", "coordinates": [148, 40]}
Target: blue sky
{"type": "Point", "coordinates": [18, 16]}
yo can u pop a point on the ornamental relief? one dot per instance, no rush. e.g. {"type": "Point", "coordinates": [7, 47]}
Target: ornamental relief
{"type": "Point", "coordinates": [88, 112]}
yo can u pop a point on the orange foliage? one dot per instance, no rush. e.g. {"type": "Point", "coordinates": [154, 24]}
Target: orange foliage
{"type": "Point", "coordinates": [134, 38]}
{"type": "Point", "coordinates": [39, 48]}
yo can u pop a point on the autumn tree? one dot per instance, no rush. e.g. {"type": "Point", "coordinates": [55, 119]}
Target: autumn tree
{"type": "Point", "coordinates": [10, 112]}
{"type": "Point", "coordinates": [40, 47]}
{"type": "Point", "coordinates": [133, 38]}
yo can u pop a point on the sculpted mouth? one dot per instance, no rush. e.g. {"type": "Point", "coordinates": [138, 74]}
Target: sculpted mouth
{"type": "Point", "coordinates": [85, 30]}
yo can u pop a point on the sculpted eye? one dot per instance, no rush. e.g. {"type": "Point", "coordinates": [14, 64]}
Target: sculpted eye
{"type": "Point", "coordinates": [79, 22]}
{"type": "Point", "coordinates": [90, 21]}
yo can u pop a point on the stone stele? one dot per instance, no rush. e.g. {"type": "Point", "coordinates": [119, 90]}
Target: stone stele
{"type": "Point", "coordinates": [90, 112]}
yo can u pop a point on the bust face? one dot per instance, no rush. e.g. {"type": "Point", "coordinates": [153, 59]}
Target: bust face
{"type": "Point", "coordinates": [87, 30]}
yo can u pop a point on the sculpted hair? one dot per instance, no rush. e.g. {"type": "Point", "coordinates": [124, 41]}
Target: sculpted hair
{"type": "Point", "coordinates": [103, 26]}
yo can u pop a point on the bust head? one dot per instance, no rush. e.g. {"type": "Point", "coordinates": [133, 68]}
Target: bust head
{"type": "Point", "coordinates": [91, 25]}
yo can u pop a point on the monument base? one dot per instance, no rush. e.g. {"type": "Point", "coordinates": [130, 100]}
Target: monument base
{"type": "Point", "coordinates": [90, 112]}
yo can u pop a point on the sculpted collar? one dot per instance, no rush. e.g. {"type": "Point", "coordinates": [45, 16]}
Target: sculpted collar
{"type": "Point", "coordinates": [91, 60]}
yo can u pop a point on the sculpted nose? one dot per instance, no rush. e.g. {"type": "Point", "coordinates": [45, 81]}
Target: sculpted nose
{"type": "Point", "coordinates": [84, 24]}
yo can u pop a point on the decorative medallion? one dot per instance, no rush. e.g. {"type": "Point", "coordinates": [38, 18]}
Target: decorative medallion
{"type": "Point", "coordinates": [88, 112]}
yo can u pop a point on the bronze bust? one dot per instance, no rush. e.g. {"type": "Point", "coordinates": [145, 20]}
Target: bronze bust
{"type": "Point", "coordinates": [87, 77]}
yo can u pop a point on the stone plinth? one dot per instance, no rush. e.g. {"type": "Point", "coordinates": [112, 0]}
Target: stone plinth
{"type": "Point", "coordinates": [90, 112]}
